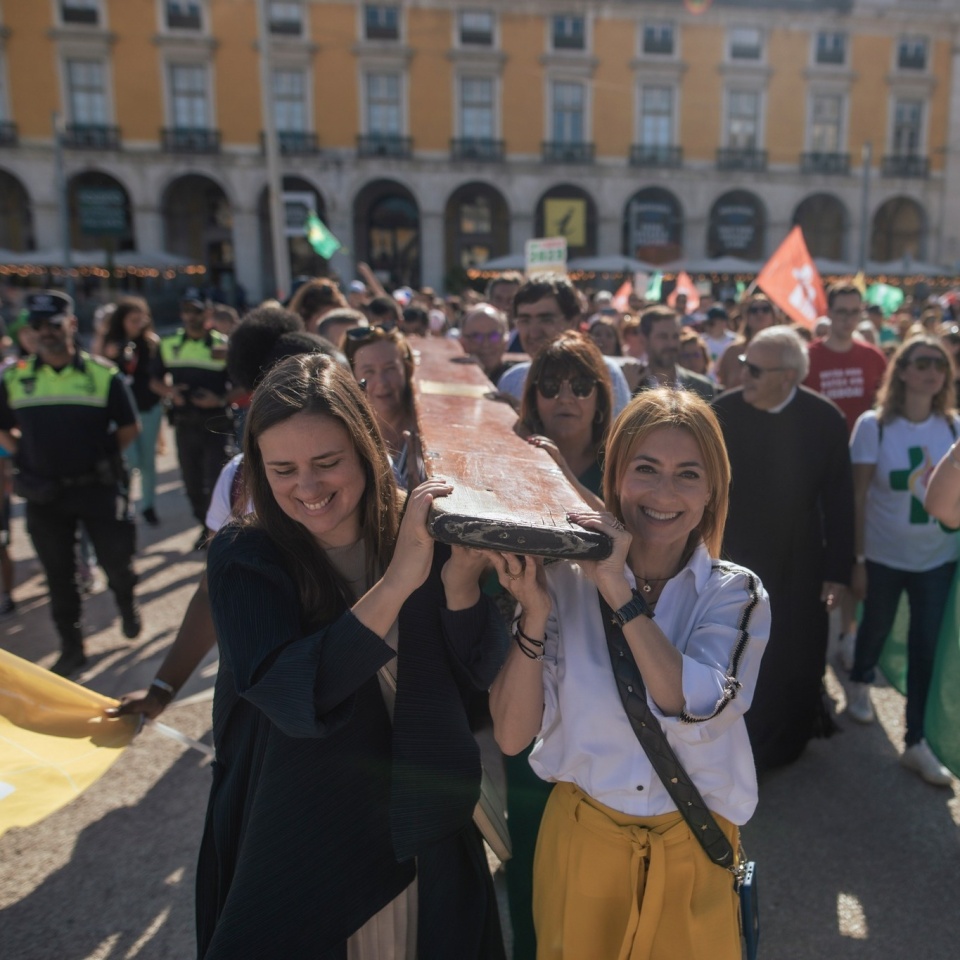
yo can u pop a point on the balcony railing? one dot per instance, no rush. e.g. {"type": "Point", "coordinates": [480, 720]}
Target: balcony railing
{"type": "Point", "coordinates": [384, 145]}
{"type": "Point", "coordinates": [91, 136]}
{"type": "Point", "coordinates": [569, 41]}
{"type": "Point", "coordinates": [286, 28]}
{"type": "Point", "coordinates": [905, 165]}
{"type": "Point", "coordinates": [653, 155]}
{"type": "Point", "coordinates": [476, 148]}
{"type": "Point", "coordinates": [295, 143]}
{"type": "Point", "coordinates": [557, 151]}
{"type": "Point", "coordinates": [912, 61]}
{"type": "Point", "coordinates": [190, 140]}
{"type": "Point", "coordinates": [8, 133]}
{"type": "Point", "coordinates": [742, 158]}
{"type": "Point", "coordinates": [658, 45]}
{"type": "Point", "coordinates": [838, 163]}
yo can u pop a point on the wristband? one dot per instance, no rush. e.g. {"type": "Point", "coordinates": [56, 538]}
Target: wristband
{"type": "Point", "coordinates": [164, 688]}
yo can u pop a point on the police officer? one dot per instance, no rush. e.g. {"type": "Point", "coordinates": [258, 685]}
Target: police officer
{"type": "Point", "coordinates": [67, 416]}
{"type": "Point", "coordinates": [190, 373]}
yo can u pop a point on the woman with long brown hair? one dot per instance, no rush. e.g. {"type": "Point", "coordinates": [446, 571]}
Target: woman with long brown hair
{"type": "Point", "coordinates": [339, 823]}
{"type": "Point", "coordinates": [131, 343]}
{"type": "Point", "coordinates": [899, 546]}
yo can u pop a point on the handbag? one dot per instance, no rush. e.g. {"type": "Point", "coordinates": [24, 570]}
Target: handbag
{"type": "Point", "coordinates": [675, 778]}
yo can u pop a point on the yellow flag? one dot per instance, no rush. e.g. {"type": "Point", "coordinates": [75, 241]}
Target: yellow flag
{"type": "Point", "coordinates": [54, 741]}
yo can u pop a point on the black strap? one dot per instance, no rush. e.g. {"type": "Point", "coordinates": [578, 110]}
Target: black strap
{"type": "Point", "coordinates": [664, 761]}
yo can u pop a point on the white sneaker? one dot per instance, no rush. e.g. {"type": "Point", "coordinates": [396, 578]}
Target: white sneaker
{"type": "Point", "coordinates": [920, 759]}
{"type": "Point", "coordinates": [846, 648]}
{"type": "Point", "coordinates": [859, 707]}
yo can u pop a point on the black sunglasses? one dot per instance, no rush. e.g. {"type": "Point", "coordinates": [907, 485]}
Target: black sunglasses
{"type": "Point", "coordinates": [925, 363]}
{"type": "Point", "coordinates": [764, 308]}
{"type": "Point", "coordinates": [357, 334]}
{"type": "Point", "coordinates": [756, 372]}
{"type": "Point", "coordinates": [580, 387]}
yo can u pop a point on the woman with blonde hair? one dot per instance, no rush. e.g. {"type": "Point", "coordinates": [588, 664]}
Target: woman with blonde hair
{"type": "Point", "coordinates": [612, 839]}
{"type": "Point", "coordinates": [899, 546]}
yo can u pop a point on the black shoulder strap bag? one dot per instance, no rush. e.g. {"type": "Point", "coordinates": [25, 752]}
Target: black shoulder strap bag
{"type": "Point", "coordinates": [675, 778]}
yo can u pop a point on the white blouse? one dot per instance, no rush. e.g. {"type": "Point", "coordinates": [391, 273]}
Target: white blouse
{"type": "Point", "coordinates": [717, 615]}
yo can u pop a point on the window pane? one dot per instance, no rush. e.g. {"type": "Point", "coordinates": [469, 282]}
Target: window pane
{"type": "Point", "coordinates": [88, 102]}
{"type": "Point", "coordinates": [476, 107]}
{"type": "Point", "coordinates": [658, 38]}
{"type": "Point", "coordinates": [831, 48]}
{"type": "Point", "coordinates": [568, 125]}
{"type": "Point", "coordinates": [188, 84]}
{"type": "Point", "coordinates": [656, 118]}
{"type": "Point", "coordinates": [825, 126]}
{"type": "Point", "coordinates": [907, 127]}
{"type": "Point", "coordinates": [476, 27]}
{"type": "Point", "coordinates": [383, 103]}
{"type": "Point", "coordinates": [745, 43]}
{"type": "Point", "coordinates": [744, 108]}
{"type": "Point", "coordinates": [289, 100]}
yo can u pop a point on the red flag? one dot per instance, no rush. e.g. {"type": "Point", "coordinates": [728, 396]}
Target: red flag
{"type": "Point", "coordinates": [685, 285]}
{"type": "Point", "coordinates": [791, 280]}
{"type": "Point", "coordinates": [621, 299]}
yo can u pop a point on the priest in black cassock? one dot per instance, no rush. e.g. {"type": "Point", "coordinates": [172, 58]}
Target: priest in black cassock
{"type": "Point", "coordinates": [791, 522]}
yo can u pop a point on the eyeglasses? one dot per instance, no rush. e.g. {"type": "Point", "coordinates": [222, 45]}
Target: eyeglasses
{"type": "Point", "coordinates": [494, 336]}
{"type": "Point", "coordinates": [756, 372]}
{"type": "Point", "coordinates": [925, 363]}
{"type": "Point", "coordinates": [356, 334]}
{"type": "Point", "coordinates": [580, 387]}
{"type": "Point", "coordinates": [760, 308]}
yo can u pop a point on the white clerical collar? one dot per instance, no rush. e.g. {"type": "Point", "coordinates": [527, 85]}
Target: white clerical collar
{"type": "Point", "coordinates": [790, 396]}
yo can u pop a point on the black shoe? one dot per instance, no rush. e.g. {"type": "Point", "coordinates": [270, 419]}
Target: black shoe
{"type": "Point", "coordinates": [70, 662]}
{"type": "Point", "coordinates": [201, 543]}
{"type": "Point", "coordinates": [130, 620]}
{"type": "Point", "coordinates": [150, 515]}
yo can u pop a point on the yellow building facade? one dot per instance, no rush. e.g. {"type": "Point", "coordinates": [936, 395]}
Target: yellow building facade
{"type": "Point", "coordinates": [433, 136]}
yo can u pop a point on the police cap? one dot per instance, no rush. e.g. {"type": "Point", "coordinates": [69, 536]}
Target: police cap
{"type": "Point", "coordinates": [47, 306]}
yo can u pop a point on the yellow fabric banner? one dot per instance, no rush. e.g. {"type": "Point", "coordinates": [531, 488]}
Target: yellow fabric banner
{"type": "Point", "coordinates": [54, 741]}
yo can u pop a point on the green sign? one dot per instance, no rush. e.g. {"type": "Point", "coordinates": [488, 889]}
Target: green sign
{"type": "Point", "coordinates": [101, 211]}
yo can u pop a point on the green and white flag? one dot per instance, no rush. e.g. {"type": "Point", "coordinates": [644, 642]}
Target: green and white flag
{"type": "Point", "coordinates": [884, 296]}
{"type": "Point", "coordinates": [320, 237]}
{"type": "Point", "coordinates": [654, 288]}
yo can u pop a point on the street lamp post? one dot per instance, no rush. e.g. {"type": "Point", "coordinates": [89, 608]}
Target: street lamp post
{"type": "Point", "coordinates": [866, 161]}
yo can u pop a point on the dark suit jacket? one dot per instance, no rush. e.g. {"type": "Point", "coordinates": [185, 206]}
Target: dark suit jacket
{"type": "Point", "coordinates": [686, 380]}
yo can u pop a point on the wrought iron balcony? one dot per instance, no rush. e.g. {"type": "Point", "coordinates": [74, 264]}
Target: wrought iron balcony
{"type": "Point", "coordinates": [190, 140]}
{"type": "Point", "coordinates": [8, 133]}
{"type": "Point", "coordinates": [476, 148]}
{"type": "Point", "coordinates": [911, 61]}
{"type": "Point", "coordinates": [817, 162]}
{"type": "Point", "coordinates": [91, 136]}
{"type": "Point", "coordinates": [655, 155]}
{"type": "Point", "coordinates": [742, 158]}
{"type": "Point", "coordinates": [560, 151]}
{"type": "Point", "coordinates": [384, 145]}
{"type": "Point", "coordinates": [294, 143]}
{"type": "Point", "coordinates": [905, 165]}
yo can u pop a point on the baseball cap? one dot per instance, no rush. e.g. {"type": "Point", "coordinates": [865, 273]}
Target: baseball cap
{"type": "Point", "coordinates": [47, 305]}
{"type": "Point", "coordinates": [716, 313]}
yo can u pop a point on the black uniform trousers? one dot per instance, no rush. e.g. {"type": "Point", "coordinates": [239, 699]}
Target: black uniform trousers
{"type": "Point", "coordinates": [104, 511]}
{"type": "Point", "coordinates": [202, 451]}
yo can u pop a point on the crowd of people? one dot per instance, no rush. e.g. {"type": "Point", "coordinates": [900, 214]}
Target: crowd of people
{"type": "Point", "coordinates": [758, 482]}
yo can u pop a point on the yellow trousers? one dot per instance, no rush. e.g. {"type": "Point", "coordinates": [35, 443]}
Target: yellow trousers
{"type": "Point", "coordinates": [608, 886]}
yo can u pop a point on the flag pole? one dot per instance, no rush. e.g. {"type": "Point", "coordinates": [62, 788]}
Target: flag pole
{"type": "Point", "coordinates": [281, 253]}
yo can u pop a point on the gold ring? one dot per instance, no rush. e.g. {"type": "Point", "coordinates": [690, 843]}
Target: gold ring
{"type": "Point", "coordinates": [510, 576]}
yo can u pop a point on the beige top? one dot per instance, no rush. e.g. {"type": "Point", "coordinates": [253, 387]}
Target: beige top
{"type": "Point", "coordinates": [390, 934]}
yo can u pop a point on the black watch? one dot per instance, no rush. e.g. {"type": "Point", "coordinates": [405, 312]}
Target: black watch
{"type": "Point", "coordinates": [635, 607]}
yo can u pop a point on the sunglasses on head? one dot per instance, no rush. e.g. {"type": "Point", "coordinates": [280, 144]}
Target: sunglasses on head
{"type": "Point", "coordinates": [580, 387]}
{"type": "Point", "coordinates": [925, 363]}
{"type": "Point", "coordinates": [365, 333]}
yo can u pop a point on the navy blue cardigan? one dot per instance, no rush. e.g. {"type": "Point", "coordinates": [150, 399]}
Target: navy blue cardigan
{"type": "Point", "coordinates": [319, 804]}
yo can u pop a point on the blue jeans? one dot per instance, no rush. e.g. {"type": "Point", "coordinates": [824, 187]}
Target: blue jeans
{"type": "Point", "coordinates": [142, 454]}
{"type": "Point", "coordinates": [927, 594]}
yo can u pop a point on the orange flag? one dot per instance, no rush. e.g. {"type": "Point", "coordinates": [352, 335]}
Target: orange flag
{"type": "Point", "coordinates": [791, 280]}
{"type": "Point", "coordinates": [685, 285]}
{"type": "Point", "coordinates": [621, 299]}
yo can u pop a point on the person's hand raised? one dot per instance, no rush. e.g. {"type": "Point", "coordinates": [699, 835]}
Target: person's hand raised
{"type": "Point", "coordinates": [413, 554]}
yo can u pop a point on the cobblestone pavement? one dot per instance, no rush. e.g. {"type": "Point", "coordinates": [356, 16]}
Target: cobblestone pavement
{"type": "Point", "coordinates": [857, 858]}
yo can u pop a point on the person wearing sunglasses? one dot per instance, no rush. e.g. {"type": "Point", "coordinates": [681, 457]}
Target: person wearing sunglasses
{"type": "Point", "coordinates": [757, 314]}
{"type": "Point", "coordinates": [483, 335]}
{"type": "Point", "coordinates": [791, 521]}
{"type": "Point", "coordinates": [899, 546]}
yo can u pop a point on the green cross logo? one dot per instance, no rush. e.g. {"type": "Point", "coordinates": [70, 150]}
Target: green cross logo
{"type": "Point", "coordinates": [910, 478]}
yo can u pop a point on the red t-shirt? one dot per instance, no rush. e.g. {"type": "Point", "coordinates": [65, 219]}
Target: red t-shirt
{"type": "Point", "coordinates": [849, 379]}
